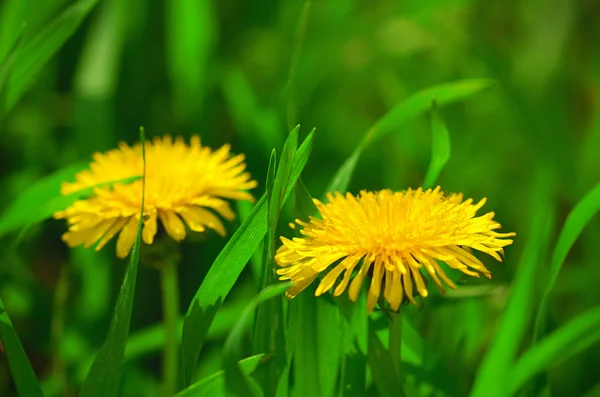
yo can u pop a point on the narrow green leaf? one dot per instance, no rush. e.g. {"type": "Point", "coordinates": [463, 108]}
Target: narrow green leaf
{"type": "Point", "coordinates": [105, 373]}
{"type": "Point", "coordinates": [214, 385]}
{"type": "Point", "coordinates": [22, 373]}
{"type": "Point", "coordinates": [236, 382]}
{"type": "Point", "coordinates": [440, 147]}
{"type": "Point", "coordinates": [567, 341]}
{"type": "Point", "coordinates": [581, 215]}
{"type": "Point", "coordinates": [411, 107]}
{"type": "Point", "coordinates": [32, 57]}
{"type": "Point", "coordinates": [382, 368]}
{"type": "Point", "coordinates": [494, 371]}
{"type": "Point", "coordinates": [226, 269]}
{"type": "Point", "coordinates": [269, 329]}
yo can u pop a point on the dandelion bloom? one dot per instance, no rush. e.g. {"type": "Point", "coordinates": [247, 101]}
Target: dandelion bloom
{"type": "Point", "coordinates": [395, 234]}
{"type": "Point", "coordinates": [183, 183]}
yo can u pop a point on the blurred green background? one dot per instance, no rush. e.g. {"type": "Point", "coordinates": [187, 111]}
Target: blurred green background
{"type": "Point", "coordinates": [221, 69]}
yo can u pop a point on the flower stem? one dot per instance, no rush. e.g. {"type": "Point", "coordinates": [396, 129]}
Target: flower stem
{"type": "Point", "coordinates": [395, 341]}
{"type": "Point", "coordinates": [170, 296]}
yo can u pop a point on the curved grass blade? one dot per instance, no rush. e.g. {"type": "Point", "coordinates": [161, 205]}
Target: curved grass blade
{"type": "Point", "coordinates": [411, 107]}
{"type": "Point", "coordinates": [440, 147]}
{"type": "Point", "coordinates": [572, 338]}
{"type": "Point", "coordinates": [226, 269]}
{"type": "Point", "coordinates": [214, 385]}
{"type": "Point", "coordinates": [31, 58]}
{"type": "Point", "coordinates": [22, 373]}
{"type": "Point", "coordinates": [581, 215]}
{"type": "Point", "coordinates": [105, 373]}
{"type": "Point", "coordinates": [494, 371]}
{"type": "Point", "coordinates": [236, 382]}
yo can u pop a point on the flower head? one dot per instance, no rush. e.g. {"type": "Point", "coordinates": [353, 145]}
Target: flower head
{"type": "Point", "coordinates": [395, 235]}
{"type": "Point", "coordinates": [183, 183]}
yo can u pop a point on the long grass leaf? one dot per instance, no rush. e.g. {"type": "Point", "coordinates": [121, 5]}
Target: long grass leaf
{"type": "Point", "coordinates": [104, 376]}
{"type": "Point", "coordinates": [226, 269]}
{"type": "Point", "coordinates": [440, 147]}
{"type": "Point", "coordinates": [269, 329]}
{"type": "Point", "coordinates": [576, 221]}
{"type": "Point", "coordinates": [22, 373]}
{"type": "Point", "coordinates": [32, 57]}
{"type": "Point", "coordinates": [236, 382]}
{"type": "Point", "coordinates": [213, 385]}
{"type": "Point", "coordinates": [411, 107]}
{"type": "Point", "coordinates": [567, 341]}
{"type": "Point", "coordinates": [494, 371]}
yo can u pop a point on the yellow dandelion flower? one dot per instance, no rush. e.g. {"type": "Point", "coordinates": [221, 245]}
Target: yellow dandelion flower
{"type": "Point", "coordinates": [184, 183]}
{"type": "Point", "coordinates": [395, 234]}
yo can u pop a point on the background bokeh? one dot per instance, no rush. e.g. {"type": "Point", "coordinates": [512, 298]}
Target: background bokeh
{"type": "Point", "coordinates": [221, 69]}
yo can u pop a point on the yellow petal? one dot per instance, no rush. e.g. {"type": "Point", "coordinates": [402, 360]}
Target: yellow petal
{"type": "Point", "coordinates": [197, 218]}
{"type": "Point", "coordinates": [173, 224]}
{"type": "Point", "coordinates": [150, 227]}
{"type": "Point", "coordinates": [118, 225]}
{"type": "Point", "coordinates": [127, 237]}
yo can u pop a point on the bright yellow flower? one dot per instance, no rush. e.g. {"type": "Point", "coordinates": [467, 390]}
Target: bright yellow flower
{"type": "Point", "coordinates": [182, 182]}
{"type": "Point", "coordinates": [395, 234]}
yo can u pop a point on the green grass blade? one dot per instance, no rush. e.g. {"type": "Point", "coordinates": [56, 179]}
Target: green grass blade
{"type": "Point", "coordinates": [226, 269]}
{"type": "Point", "coordinates": [236, 382]}
{"type": "Point", "coordinates": [190, 38]}
{"type": "Point", "coordinates": [382, 368]}
{"type": "Point", "coordinates": [269, 329]}
{"type": "Point", "coordinates": [440, 147]}
{"type": "Point", "coordinates": [214, 385]}
{"type": "Point", "coordinates": [494, 371]}
{"type": "Point", "coordinates": [22, 373]}
{"type": "Point", "coordinates": [567, 341]}
{"type": "Point", "coordinates": [32, 57]}
{"type": "Point", "coordinates": [18, 214]}
{"type": "Point", "coordinates": [43, 199]}
{"type": "Point", "coordinates": [581, 215]}
{"type": "Point", "coordinates": [411, 107]}
{"type": "Point", "coordinates": [104, 376]}
{"type": "Point", "coordinates": [12, 19]}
